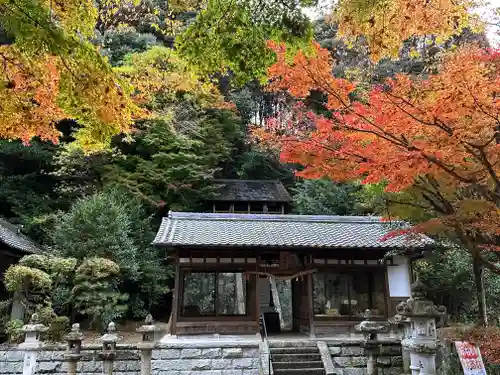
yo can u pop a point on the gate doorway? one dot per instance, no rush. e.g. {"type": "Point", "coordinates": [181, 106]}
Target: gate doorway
{"type": "Point", "coordinates": [277, 304]}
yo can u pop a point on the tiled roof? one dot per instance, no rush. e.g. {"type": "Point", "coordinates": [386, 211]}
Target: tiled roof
{"type": "Point", "coordinates": [219, 230]}
{"type": "Point", "coordinates": [252, 191]}
{"type": "Point", "coordinates": [10, 236]}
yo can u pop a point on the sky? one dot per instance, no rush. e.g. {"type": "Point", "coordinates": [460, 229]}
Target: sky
{"type": "Point", "coordinates": [487, 12]}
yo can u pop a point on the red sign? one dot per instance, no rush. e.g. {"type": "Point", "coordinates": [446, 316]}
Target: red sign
{"type": "Point", "coordinates": [470, 358]}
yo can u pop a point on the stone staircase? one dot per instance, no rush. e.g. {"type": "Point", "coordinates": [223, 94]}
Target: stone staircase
{"type": "Point", "coordinates": [296, 358]}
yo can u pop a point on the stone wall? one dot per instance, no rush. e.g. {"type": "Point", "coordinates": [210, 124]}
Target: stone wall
{"type": "Point", "coordinates": [347, 355]}
{"type": "Point", "coordinates": [180, 359]}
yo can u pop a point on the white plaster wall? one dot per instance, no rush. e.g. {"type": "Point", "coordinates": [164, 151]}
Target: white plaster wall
{"type": "Point", "coordinates": [399, 277]}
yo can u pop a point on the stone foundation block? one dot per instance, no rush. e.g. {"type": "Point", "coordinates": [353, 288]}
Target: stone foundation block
{"type": "Point", "coordinates": [134, 366]}
{"type": "Point", "coordinates": [191, 353]}
{"type": "Point", "coordinates": [384, 361]}
{"type": "Point", "coordinates": [201, 364]}
{"type": "Point", "coordinates": [250, 372]}
{"type": "Point", "coordinates": [251, 352]}
{"type": "Point", "coordinates": [166, 354]}
{"type": "Point", "coordinates": [245, 363]}
{"type": "Point", "coordinates": [397, 361]}
{"type": "Point", "coordinates": [45, 367]}
{"type": "Point", "coordinates": [89, 366]}
{"type": "Point", "coordinates": [221, 364]}
{"type": "Point", "coordinates": [211, 372]}
{"type": "Point", "coordinates": [390, 350]}
{"type": "Point", "coordinates": [354, 371]}
{"type": "Point", "coordinates": [232, 353]}
{"type": "Point", "coordinates": [335, 350]}
{"type": "Point", "coordinates": [391, 371]}
{"type": "Point", "coordinates": [352, 351]}
{"type": "Point", "coordinates": [232, 372]}
{"type": "Point", "coordinates": [350, 361]}
{"type": "Point", "coordinates": [211, 353]}
{"type": "Point", "coordinates": [165, 372]}
{"type": "Point", "coordinates": [172, 364]}
{"type": "Point", "coordinates": [11, 356]}
{"type": "Point", "coordinates": [11, 367]}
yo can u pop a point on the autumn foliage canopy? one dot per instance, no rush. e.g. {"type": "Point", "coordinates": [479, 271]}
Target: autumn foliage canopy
{"type": "Point", "coordinates": [439, 132]}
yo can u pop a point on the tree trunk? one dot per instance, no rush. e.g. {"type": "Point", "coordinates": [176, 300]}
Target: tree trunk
{"type": "Point", "coordinates": [480, 292]}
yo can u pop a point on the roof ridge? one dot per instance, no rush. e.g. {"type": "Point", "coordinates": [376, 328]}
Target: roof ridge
{"type": "Point", "coordinates": [249, 180]}
{"type": "Point", "coordinates": [282, 217]}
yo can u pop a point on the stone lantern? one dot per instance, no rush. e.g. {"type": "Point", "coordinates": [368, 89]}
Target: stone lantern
{"type": "Point", "coordinates": [31, 344]}
{"type": "Point", "coordinates": [147, 344]}
{"type": "Point", "coordinates": [370, 344]}
{"type": "Point", "coordinates": [422, 342]}
{"type": "Point", "coordinates": [74, 346]}
{"type": "Point", "coordinates": [108, 353]}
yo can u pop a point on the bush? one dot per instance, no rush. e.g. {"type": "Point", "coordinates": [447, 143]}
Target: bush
{"type": "Point", "coordinates": [13, 331]}
{"type": "Point", "coordinates": [95, 293]}
{"type": "Point", "coordinates": [450, 281]}
{"type": "Point", "coordinates": [58, 328]}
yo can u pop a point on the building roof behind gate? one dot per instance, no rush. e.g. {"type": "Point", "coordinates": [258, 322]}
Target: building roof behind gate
{"type": "Point", "coordinates": [181, 229]}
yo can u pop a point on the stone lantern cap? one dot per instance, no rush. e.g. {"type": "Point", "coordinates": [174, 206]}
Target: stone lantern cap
{"type": "Point", "coordinates": [369, 327]}
{"type": "Point", "coordinates": [75, 334]}
{"type": "Point", "coordinates": [418, 305]}
{"type": "Point", "coordinates": [110, 337]}
{"type": "Point", "coordinates": [148, 326]}
{"type": "Point", "coordinates": [34, 326]}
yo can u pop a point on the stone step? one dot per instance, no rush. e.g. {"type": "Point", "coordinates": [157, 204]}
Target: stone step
{"type": "Point", "coordinates": [295, 357]}
{"type": "Point", "coordinates": [293, 350]}
{"type": "Point", "coordinates": [297, 365]}
{"type": "Point", "coordinates": [300, 371]}
{"type": "Point", "coordinates": [292, 344]}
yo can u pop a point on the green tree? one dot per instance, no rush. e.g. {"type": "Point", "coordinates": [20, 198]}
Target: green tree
{"type": "Point", "coordinates": [230, 36]}
{"type": "Point", "coordinates": [112, 225]}
{"type": "Point", "coordinates": [172, 162]}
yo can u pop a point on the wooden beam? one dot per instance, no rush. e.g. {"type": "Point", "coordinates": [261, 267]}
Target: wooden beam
{"type": "Point", "coordinates": [284, 277]}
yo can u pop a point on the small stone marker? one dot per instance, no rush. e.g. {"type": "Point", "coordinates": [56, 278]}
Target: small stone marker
{"type": "Point", "coordinates": [108, 353]}
{"type": "Point", "coordinates": [147, 344]}
{"type": "Point", "coordinates": [73, 351]}
{"type": "Point", "coordinates": [371, 345]}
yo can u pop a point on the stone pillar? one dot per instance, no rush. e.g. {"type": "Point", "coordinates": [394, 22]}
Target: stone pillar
{"type": "Point", "coordinates": [422, 343]}
{"type": "Point", "coordinates": [31, 344]}
{"type": "Point", "coordinates": [73, 350]}
{"type": "Point", "coordinates": [405, 347]}
{"type": "Point", "coordinates": [370, 344]}
{"type": "Point", "coordinates": [108, 353]}
{"type": "Point", "coordinates": [147, 344]}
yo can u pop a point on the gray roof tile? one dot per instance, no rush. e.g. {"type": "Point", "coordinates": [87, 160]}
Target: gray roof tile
{"type": "Point", "coordinates": [212, 229]}
{"type": "Point", "coordinates": [10, 236]}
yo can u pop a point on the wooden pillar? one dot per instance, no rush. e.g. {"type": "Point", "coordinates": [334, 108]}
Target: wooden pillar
{"type": "Point", "coordinates": [310, 303]}
{"type": "Point", "coordinates": [256, 299]}
{"type": "Point", "coordinates": [176, 297]}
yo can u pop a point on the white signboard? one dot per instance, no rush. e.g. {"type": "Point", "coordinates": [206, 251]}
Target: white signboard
{"type": "Point", "coordinates": [470, 358]}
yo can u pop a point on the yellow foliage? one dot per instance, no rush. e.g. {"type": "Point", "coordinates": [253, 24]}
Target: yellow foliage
{"type": "Point", "coordinates": [386, 24]}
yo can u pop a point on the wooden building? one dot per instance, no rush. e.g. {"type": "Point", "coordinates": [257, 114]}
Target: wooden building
{"type": "Point", "coordinates": [13, 246]}
{"type": "Point", "coordinates": [251, 196]}
{"type": "Point", "coordinates": [336, 266]}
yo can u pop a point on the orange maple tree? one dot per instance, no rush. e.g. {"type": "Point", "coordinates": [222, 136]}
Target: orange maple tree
{"type": "Point", "coordinates": [440, 133]}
